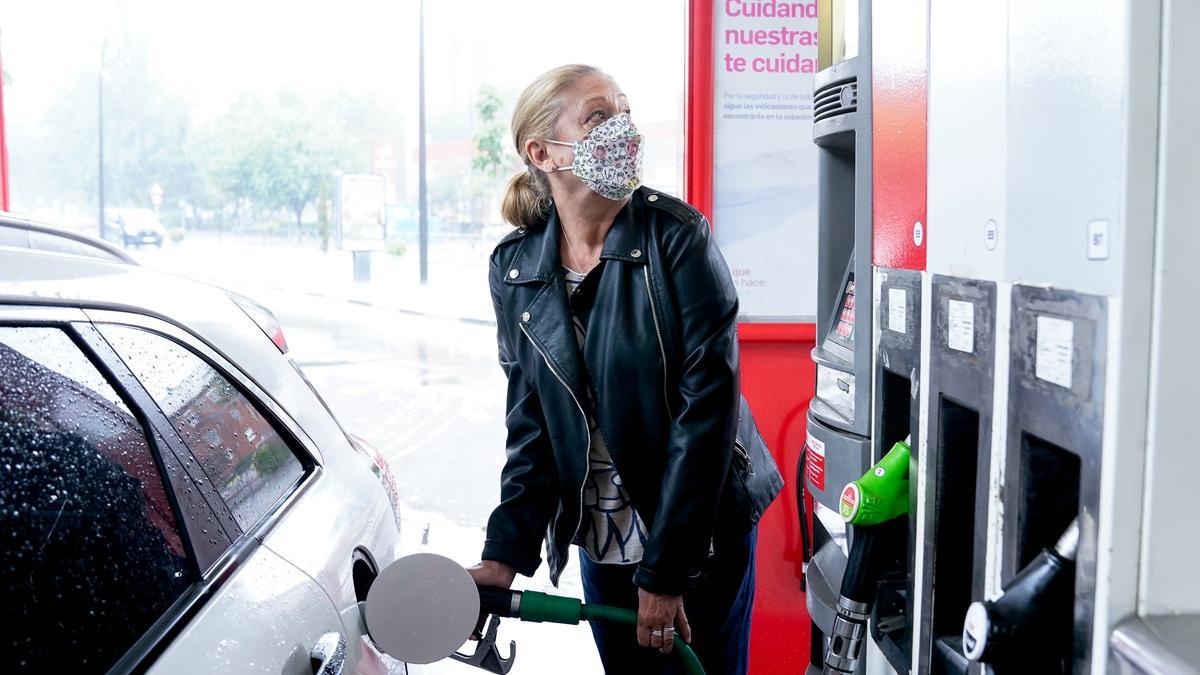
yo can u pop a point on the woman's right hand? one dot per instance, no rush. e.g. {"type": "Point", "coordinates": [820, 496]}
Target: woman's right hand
{"type": "Point", "coordinates": [492, 573]}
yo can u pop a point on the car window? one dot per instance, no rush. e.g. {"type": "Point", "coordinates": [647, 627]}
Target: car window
{"type": "Point", "coordinates": [239, 451]}
{"type": "Point", "coordinates": [43, 241]}
{"type": "Point", "coordinates": [16, 237]}
{"type": "Point", "coordinates": [90, 550]}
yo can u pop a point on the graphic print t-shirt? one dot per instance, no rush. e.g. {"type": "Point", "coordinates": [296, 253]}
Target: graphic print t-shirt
{"type": "Point", "coordinates": [611, 531]}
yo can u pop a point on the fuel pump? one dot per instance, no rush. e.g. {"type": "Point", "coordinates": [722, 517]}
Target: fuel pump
{"type": "Point", "coordinates": [873, 505]}
{"type": "Point", "coordinates": [423, 607]}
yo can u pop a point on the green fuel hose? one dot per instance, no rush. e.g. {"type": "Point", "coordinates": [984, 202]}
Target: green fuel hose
{"type": "Point", "coordinates": [545, 608]}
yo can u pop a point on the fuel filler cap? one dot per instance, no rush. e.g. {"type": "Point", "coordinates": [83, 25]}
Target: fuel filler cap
{"type": "Point", "coordinates": [421, 608]}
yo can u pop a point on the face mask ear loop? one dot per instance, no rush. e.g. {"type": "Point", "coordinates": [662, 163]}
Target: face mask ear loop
{"type": "Point", "coordinates": [569, 145]}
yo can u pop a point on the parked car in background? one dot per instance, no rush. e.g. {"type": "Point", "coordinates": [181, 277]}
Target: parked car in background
{"type": "Point", "coordinates": [175, 497]}
{"type": "Point", "coordinates": [137, 226]}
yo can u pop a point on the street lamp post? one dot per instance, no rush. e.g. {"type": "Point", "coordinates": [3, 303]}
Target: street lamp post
{"type": "Point", "coordinates": [100, 137]}
{"type": "Point", "coordinates": [422, 197]}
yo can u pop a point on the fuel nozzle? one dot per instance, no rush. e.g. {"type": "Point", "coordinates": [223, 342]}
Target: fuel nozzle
{"type": "Point", "coordinates": [424, 606]}
{"type": "Point", "coordinates": [1033, 615]}
{"type": "Point", "coordinates": [882, 492]}
{"type": "Point", "coordinates": [867, 504]}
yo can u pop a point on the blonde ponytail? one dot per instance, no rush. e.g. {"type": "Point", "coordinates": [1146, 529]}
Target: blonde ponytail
{"type": "Point", "coordinates": [527, 197]}
{"type": "Point", "coordinates": [525, 202]}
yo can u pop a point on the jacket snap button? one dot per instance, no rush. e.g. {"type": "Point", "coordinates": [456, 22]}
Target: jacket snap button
{"type": "Point", "coordinates": [513, 274]}
{"type": "Point", "coordinates": [521, 230]}
{"type": "Point", "coordinates": [637, 253]}
{"type": "Point", "coordinates": [525, 317]}
{"type": "Point", "coordinates": [652, 198]}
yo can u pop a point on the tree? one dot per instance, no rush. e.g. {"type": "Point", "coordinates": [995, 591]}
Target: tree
{"type": "Point", "coordinates": [491, 161]}
{"type": "Point", "coordinates": [146, 128]}
{"type": "Point", "coordinates": [271, 152]}
{"type": "Point", "coordinates": [489, 139]}
{"type": "Point", "coordinates": [323, 215]}
{"type": "Point", "coordinates": [294, 158]}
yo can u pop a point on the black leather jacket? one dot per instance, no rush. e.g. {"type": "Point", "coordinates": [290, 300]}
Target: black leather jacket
{"type": "Point", "coordinates": [661, 360]}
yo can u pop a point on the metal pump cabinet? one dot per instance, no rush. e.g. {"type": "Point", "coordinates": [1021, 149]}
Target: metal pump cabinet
{"type": "Point", "coordinates": [839, 419]}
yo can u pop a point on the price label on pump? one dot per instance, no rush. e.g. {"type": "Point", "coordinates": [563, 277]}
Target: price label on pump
{"type": "Point", "coordinates": [1055, 350]}
{"type": "Point", "coordinates": [897, 310]}
{"type": "Point", "coordinates": [960, 329]}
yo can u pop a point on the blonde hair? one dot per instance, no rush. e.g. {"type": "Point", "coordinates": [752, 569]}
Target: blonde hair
{"type": "Point", "coordinates": [527, 197]}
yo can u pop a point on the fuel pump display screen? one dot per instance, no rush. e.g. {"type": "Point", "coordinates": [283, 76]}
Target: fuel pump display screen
{"type": "Point", "coordinates": [842, 331]}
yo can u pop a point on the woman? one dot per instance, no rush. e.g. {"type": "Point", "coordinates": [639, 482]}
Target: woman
{"type": "Point", "coordinates": [627, 435]}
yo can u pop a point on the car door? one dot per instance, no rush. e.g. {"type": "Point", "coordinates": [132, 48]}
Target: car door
{"type": "Point", "coordinates": [264, 614]}
{"type": "Point", "coordinates": [97, 565]}
{"type": "Point", "coordinates": [340, 526]}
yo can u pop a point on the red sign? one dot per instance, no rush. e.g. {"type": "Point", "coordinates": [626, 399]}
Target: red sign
{"type": "Point", "coordinates": [816, 463]}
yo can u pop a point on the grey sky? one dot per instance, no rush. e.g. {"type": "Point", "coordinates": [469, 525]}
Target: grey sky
{"type": "Point", "coordinates": [211, 51]}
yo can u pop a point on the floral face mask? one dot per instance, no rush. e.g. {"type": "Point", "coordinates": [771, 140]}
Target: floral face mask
{"type": "Point", "coordinates": [609, 158]}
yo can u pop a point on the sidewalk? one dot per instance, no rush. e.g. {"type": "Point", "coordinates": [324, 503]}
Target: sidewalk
{"type": "Point", "coordinates": [456, 289]}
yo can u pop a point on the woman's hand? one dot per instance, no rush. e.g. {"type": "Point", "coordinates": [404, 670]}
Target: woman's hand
{"type": "Point", "coordinates": [492, 573]}
{"type": "Point", "coordinates": [658, 617]}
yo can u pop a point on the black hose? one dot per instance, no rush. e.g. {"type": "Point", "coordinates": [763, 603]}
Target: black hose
{"type": "Point", "coordinates": [802, 510]}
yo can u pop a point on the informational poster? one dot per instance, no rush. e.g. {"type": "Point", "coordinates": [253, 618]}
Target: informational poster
{"type": "Point", "coordinates": [765, 173]}
{"type": "Point", "coordinates": [360, 215]}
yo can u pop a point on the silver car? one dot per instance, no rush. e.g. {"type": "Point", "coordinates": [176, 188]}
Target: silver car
{"type": "Point", "coordinates": [175, 497]}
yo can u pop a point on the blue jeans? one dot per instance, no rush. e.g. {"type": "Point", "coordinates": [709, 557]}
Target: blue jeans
{"type": "Point", "coordinates": [718, 611]}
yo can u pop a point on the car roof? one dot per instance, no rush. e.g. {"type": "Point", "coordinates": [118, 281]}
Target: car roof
{"type": "Point", "coordinates": [29, 277]}
{"type": "Point", "coordinates": [39, 279]}
{"type": "Point", "coordinates": [20, 233]}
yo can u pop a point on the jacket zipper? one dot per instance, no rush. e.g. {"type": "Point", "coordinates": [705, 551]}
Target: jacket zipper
{"type": "Point", "coordinates": [745, 454]}
{"type": "Point", "coordinates": [661, 348]}
{"type": "Point", "coordinates": [587, 462]}
{"type": "Point", "coordinates": [741, 451]}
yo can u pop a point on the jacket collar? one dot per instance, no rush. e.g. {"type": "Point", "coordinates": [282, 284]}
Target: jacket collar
{"type": "Point", "coordinates": [627, 238]}
{"type": "Point", "coordinates": [538, 259]}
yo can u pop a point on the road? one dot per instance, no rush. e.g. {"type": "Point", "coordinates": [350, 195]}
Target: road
{"type": "Point", "coordinates": [430, 395]}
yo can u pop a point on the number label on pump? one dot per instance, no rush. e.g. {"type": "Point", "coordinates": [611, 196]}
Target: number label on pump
{"type": "Point", "coordinates": [1097, 232]}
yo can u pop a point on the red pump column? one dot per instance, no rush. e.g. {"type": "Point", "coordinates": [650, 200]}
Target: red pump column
{"type": "Point", "coordinates": [774, 85]}
{"type": "Point", "coordinates": [3, 147]}
{"type": "Point", "coordinates": [900, 121]}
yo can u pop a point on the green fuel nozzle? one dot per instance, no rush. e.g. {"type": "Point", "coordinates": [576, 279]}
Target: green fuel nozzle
{"type": "Point", "coordinates": [882, 492]}
{"type": "Point", "coordinates": [880, 496]}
